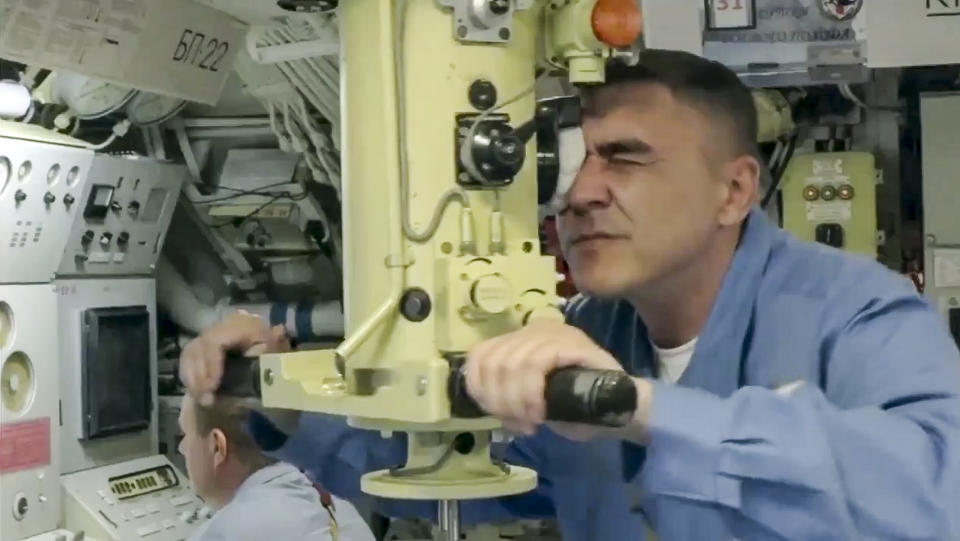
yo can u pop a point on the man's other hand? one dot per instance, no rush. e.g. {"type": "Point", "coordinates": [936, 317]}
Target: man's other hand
{"type": "Point", "coordinates": [201, 363]}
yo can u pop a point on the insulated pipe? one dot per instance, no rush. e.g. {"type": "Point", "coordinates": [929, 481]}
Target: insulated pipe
{"type": "Point", "coordinates": [303, 321]}
{"type": "Point", "coordinates": [176, 297]}
{"type": "Point", "coordinates": [15, 100]}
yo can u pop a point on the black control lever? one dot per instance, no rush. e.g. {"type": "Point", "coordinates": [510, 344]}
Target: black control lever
{"type": "Point", "coordinates": [573, 395]}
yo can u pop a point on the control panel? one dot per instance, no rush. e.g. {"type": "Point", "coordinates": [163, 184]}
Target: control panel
{"type": "Point", "coordinates": [29, 431]}
{"type": "Point", "coordinates": [41, 186]}
{"type": "Point", "coordinates": [831, 198]}
{"type": "Point", "coordinates": [123, 217]}
{"type": "Point", "coordinates": [61, 535]}
{"type": "Point", "coordinates": [145, 498]}
{"type": "Point", "coordinates": [108, 370]}
{"type": "Point", "coordinates": [142, 483]}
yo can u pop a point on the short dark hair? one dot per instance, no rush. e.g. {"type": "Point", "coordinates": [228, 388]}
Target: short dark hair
{"type": "Point", "coordinates": [230, 415]}
{"type": "Point", "coordinates": [703, 84]}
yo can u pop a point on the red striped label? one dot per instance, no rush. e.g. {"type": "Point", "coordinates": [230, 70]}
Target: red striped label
{"type": "Point", "coordinates": [24, 445]}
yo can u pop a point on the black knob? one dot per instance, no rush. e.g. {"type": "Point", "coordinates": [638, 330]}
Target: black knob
{"type": "Point", "coordinates": [68, 200]}
{"type": "Point", "coordinates": [241, 377]}
{"type": "Point", "coordinates": [116, 206]}
{"type": "Point", "coordinates": [133, 208]}
{"type": "Point", "coordinates": [498, 152]}
{"type": "Point", "coordinates": [105, 239]}
{"type": "Point", "coordinates": [49, 198]}
{"type": "Point", "coordinates": [19, 196]}
{"type": "Point", "coordinates": [464, 443]}
{"type": "Point", "coordinates": [22, 506]}
{"type": "Point", "coordinates": [499, 7]}
{"type": "Point", "coordinates": [415, 304]}
{"type": "Point", "coordinates": [482, 94]}
{"type": "Point", "coordinates": [123, 238]}
{"type": "Point", "coordinates": [87, 237]}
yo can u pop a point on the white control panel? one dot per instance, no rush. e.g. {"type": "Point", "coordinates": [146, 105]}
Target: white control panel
{"type": "Point", "coordinates": [120, 386]}
{"type": "Point", "coordinates": [29, 428]}
{"type": "Point", "coordinates": [147, 498]}
{"type": "Point", "coordinates": [41, 188]}
{"type": "Point", "coordinates": [123, 216]}
{"type": "Point", "coordinates": [62, 535]}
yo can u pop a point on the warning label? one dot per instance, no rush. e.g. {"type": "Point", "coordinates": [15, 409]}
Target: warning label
{"type": "Point", "coordinates": [24, 445]}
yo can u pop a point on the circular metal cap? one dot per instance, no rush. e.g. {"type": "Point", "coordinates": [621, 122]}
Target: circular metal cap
{"type": "Point", "coordinates": [17, 383]}
{"type": "Point", "coordinates": [499, 7]}
{"type": "Point", "coordinates": [811, 193]}
{"type": "Point", "coordinates": [491, 294]}
{"type": "Point", "coordinates": [845, 192]}
{"type": "Point", "coordinates": [509, 150]}
{"type": "Point", "coordinates": [828, 193]}
{"type": "Point", "coordinates": [6, 324]}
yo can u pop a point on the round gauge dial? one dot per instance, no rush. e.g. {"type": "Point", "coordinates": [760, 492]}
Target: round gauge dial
{"type": "Point", "coordinates": [17, 384]}
{"type": "Point", "coordinates": [6, 324]}
{"type": "Point", "coordinates": [4, 174]}
{"type": "Point", "coordinates": [840, 10]}
{"type": "Point", "coordinates": [88, 97]}
{"type": "Point", "coordinates": [147, 109]}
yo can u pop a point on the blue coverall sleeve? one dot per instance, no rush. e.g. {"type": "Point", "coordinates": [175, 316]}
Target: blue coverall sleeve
{"type": "Point", "coordinates": [872, 454]}
{"type": "Point", "coordinates": [336, 455]}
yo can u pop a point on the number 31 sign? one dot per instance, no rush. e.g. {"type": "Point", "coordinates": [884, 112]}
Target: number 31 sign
{"type": "Point", "coordinates": [730, 14]}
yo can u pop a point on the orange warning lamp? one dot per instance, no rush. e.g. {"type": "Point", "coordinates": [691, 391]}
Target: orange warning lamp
{"type": "Point", "coordinates": [617, 23]}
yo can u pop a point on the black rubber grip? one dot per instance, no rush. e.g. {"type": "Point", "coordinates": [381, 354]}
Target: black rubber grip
{"type": "Point", "coordinates": [573, 395]}
{"type": "Point", "coordinates": [241, 377]}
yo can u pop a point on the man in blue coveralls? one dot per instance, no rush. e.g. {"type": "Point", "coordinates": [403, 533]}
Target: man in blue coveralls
{"type": "Point", "coordinates": [787, 390]}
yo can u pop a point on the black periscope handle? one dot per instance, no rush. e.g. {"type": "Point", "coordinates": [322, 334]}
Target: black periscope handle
{"type": "Point", "coordinates": [241, 377]}
{"type": "Point", "coordinates": [573, 395]}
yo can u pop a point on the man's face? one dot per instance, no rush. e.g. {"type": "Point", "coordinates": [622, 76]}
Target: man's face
{"type": "Point", "coordinates": [197, 449]}
{"type": "Point", "coordinates": [647, 197]}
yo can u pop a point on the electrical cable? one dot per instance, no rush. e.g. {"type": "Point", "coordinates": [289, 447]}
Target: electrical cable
{"type": "Point", "coordinates": [779, 172]}
{"type": "Point", "coordinates": [241, 193]}
{"type": "Point", "coordinates": [316, 85]}
{"type": "Point", "coordinates": [258, 190]}
{"type": "Point", "coordinates": [119, 130]}
{"type": "Point", "coordinates": [243, 220]}
{"type": "Point", "coordinates": [456, 193]}
{"type": "Point", "coordinates": [847, 92]}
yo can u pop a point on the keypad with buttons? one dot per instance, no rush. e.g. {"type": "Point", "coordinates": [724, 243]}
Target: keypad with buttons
{"type": "Point", "coordinates": [142, 499]}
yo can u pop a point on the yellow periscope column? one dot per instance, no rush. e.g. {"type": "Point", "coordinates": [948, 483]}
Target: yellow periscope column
{"type": "Point", "coordinates": [415, 300]}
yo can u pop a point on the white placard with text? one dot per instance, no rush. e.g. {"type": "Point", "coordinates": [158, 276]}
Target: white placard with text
{"type": "Point", "coordinates": [730, 14]}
